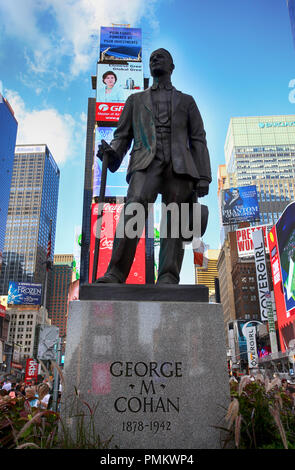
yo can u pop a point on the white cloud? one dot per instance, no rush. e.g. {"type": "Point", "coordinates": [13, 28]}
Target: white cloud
{"type": "Point", "coordinates": [47, 126]}
{"type": "Point", "coordinates": [73, 24]}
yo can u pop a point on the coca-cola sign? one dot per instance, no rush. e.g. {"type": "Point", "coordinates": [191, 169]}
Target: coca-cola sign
{"type": "Point", "coordinates": [111, 214]}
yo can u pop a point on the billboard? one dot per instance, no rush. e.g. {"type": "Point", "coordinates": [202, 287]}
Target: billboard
{"type": "Point", "coordinates": [281, 247]}
{"type": "Point", "coordinates": [111, 214]}
{"type": "Point", "coordinates": [31, 372]}
{"type": "Point", "coordinates": [24, 293]}
{"type": "Point", "coordinates": [116, 182]}
{"type": "Point", "coordinates": [120, 44]}
{"type": "Point", "coordinates": [285, 228]}
{"type": "Point", "coordinates": [115, 82]}
{"type": "Point", "coordinates": [245, 241]}
{"type": "Point", "coordinates": [261, 273]}
{"type": "Point", "coordinates": [48, 339]}
{"type": "Point", "coordinates": [239, 205]}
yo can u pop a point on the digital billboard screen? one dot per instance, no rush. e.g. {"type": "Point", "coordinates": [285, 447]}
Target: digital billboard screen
{"type": "Point", "coordinates": [240, 205]}
{"type": "Point", "coordinates": [115, 82]}
{"type": "Point", "coordinates": [116, 182]}
{"type": "Point", "coordinates": [285, 231]}
{"type": "Point", "coordinates": [24, 293]}
{"type": "Point", "coordinates": [119, 43]}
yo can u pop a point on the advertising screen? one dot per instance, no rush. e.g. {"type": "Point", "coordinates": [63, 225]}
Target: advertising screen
{"type": "Point", "coordinates": [115, 82]}
{"type": "Point", "coordinates": [116, 182]}
{"type": "Point", "coordinates": [24, 293]}
{"type": "Point", "coordinates": [111, 214]}
{"type": "Point", "coordinates": [31, 370]}
{"type": "Point", "coordinates": [285, 228]}
{"type": "Point", "coordinates": [245, 242]}
{"type": "Point", "coordinates": [120, 43]}
{"type": "Point", "coordinates": [239, 205]}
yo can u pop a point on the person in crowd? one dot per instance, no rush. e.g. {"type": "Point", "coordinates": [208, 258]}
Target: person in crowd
{"type": "Point", "coordinates": [7, 385]}
{"type": "Point", "coordinates": [21, 389]}
{"type": "Point", "coordinates": [31, 397]}
{"type": "Point", "coordinates": [43, 392]}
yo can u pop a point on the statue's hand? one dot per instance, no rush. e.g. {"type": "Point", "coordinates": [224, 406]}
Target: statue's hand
{"type": "Point", "coordinates": [113, 159]}
{"type": "Point", "coordinates": [202, 188]}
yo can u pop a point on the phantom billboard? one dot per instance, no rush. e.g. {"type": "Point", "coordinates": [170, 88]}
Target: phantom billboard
{"type": "Point", "coordinates": [240, 205]}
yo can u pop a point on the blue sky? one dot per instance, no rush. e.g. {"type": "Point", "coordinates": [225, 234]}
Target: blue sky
{"type": "Point", "coordinates": [236, 58]}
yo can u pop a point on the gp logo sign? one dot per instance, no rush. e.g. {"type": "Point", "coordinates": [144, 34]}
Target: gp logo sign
{"type": "Point", "coordinates": [108, 111]}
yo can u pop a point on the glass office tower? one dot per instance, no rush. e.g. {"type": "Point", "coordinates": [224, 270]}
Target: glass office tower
{"type": "Point", "coordinates": [260, 151]}
{"type": "Point", "coordinates": [291, 8]}
{"type": "Point", "coordinates": [32, 204]}
{"type": "Point", "coordinates": [8, 130]}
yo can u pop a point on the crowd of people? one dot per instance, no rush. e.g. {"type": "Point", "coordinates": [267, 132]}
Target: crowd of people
{"type": "Point", "coordinates": [37, 395]}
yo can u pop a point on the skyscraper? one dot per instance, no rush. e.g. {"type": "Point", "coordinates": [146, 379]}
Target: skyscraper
{"type": "Point", "coordinates": [8, 129]}
{"type": "Point", "coordinates": [206, 276]}
{"type": "Point", "coordinates": [291, 8]}
{"type": "Point", "coordinates": [260, 151]}
{"type": "Point", "coordinates": [32, 204]}
{"type": "Point", "coordinates": [62, 276]}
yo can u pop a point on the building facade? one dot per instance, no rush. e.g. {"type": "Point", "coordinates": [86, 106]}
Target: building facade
{"type": "Point", "coordinates": [32, 205]}
{"type": "Point", "coordinates": [22, 326]}
{"type": "Point", "coordinates": [224, 268]}
{"type": "Point", "coordinates": [62, 276]}
{"type": "Point", "coordinates": [260, 150]}
{"type": "Point", "coordinates": [8, 131]}
{"type": "Point", "coordinates": [206, 276]}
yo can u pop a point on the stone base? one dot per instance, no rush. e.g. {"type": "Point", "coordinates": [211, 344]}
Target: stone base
{"type": "Point", "coordinates": [156, 371]}
{"type": "Point", "coordinates": [149, 292]}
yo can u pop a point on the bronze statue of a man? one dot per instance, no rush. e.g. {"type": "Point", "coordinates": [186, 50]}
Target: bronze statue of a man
{"type": "Point", "coordinates": [169, 156]}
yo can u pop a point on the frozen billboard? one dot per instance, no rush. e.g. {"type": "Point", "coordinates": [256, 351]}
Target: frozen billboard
{"type": "Point", "coordinates": [240, 205]}
{"type": "Point", "coordinates": [114, 84]}
{"type": "Point", "coordinates": [116, 182]}
{"type": "Point", "coordinates": [24, 293]}
{"type": "Point", "coordinates": [119, 43]}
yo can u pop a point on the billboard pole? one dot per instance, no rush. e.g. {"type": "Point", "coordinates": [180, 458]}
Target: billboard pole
{"type": "Point", "coordinates": [47, 263]}
{"type": "Point", "coordinates": [101, 201]}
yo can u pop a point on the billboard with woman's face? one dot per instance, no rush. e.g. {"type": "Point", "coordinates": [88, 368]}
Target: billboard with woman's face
{"type": "Point", "coordinates": [114, 83]}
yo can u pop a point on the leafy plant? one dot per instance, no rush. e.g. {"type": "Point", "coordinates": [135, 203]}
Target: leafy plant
{"type": "Point", "coordinates": [261, 415]}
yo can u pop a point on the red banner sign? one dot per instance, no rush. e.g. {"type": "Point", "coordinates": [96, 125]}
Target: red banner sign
{"type": "Point", "coordinates": [2, 311]}
{"type": "Point", "coordinates": [31, 370]}
{"type": "Point", "coordinates": [245, 242]}
{"type": "Point", "coordinates": [111, 214]}
{"type": "Point", "coordinates": [108, 112]}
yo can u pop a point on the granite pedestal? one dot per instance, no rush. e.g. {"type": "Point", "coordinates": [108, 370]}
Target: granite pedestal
{"type": "Point", "coordinates": [155, 369]}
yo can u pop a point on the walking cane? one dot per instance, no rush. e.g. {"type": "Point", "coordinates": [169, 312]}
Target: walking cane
{"type": "Point", "coordinates": [101, 200]}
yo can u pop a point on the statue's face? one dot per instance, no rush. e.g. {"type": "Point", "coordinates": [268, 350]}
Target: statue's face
{"type": "Point", "coordinates": [160, 63]}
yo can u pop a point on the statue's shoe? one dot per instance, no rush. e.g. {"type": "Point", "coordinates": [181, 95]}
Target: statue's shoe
{"type": "Point", "coordinates": [108, 278]}
{"type": "Point", "coordinates": [166, 280]}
